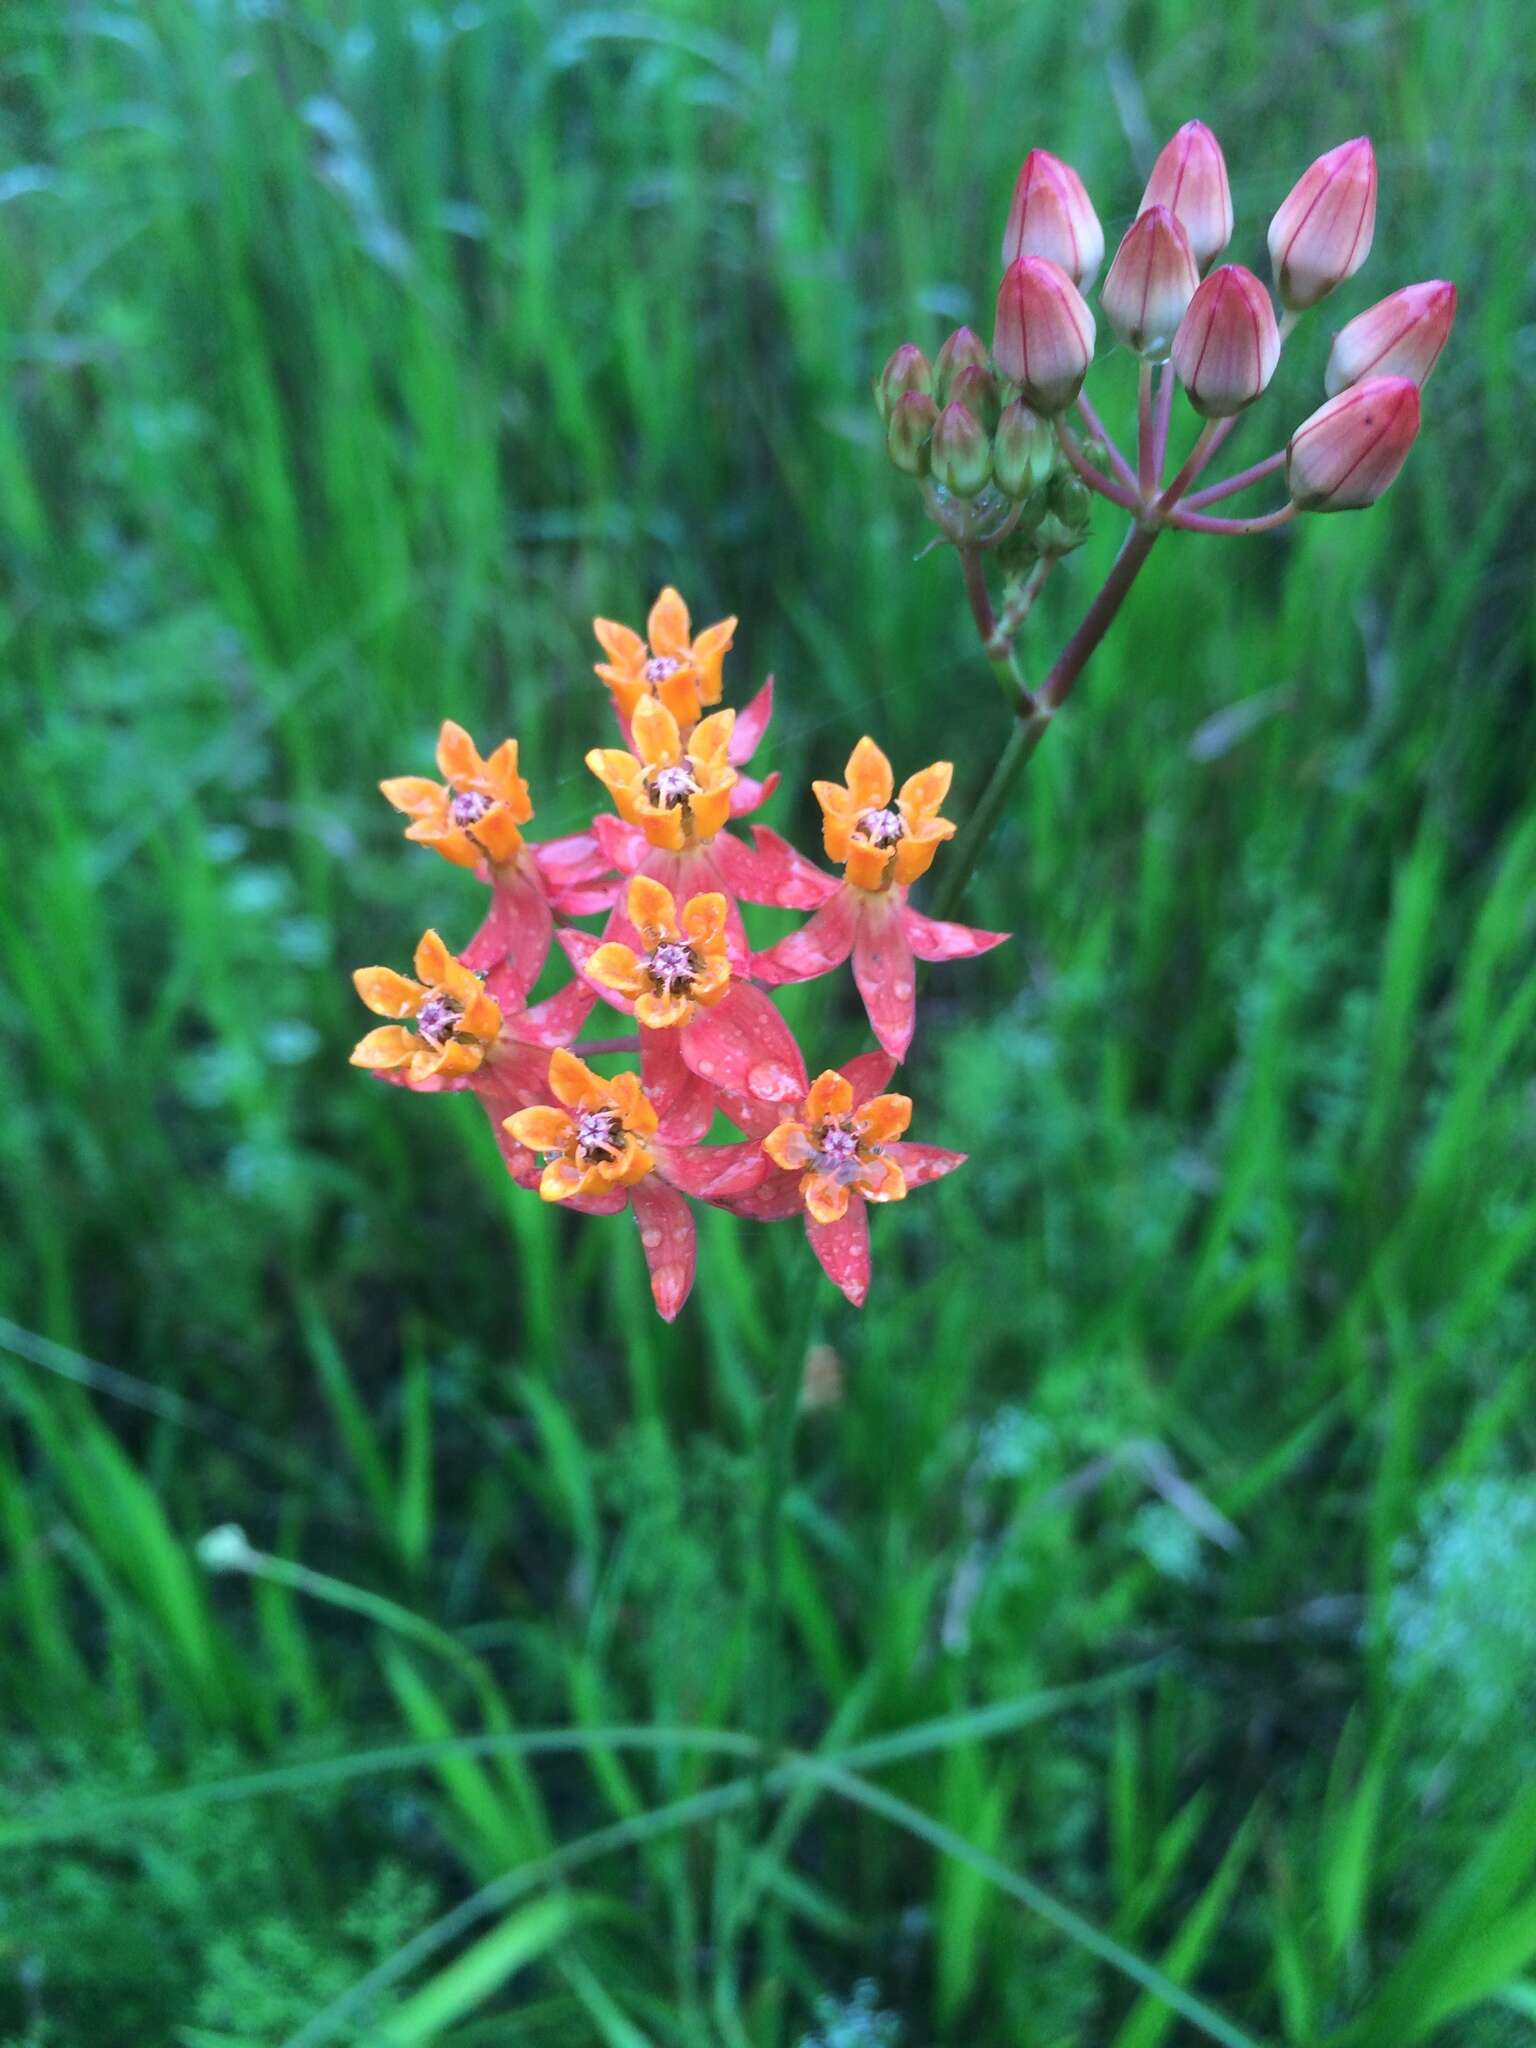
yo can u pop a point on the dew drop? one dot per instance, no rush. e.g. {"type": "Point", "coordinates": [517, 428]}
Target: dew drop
{"type": "Point", "coordinates": [706, 1067]}
{"type": "Point", "coordinates": [902, 990]}
{"type": "Point", "coordinates": [771, 1082]}
{"type": "Point", "coordinates": [650, 1238]}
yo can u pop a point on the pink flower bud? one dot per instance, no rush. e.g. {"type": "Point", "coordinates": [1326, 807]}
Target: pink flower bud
{"type": "Point", "coordinates": [1150, 283]}
{"type": "Point", "coordinates": [1322, 233]}
{"type": "Point", "coordinates": [962, 350]}
{"type": "Point", "coordinates": [1053, 216]}
{"type": "Point", "coordinates": [1227, 346]}
{"type": "Point", "coordinates": [906, 370]}
{"type": "Point", "coordinates": [1398, 337]}
{"type": "Point", "coordinates": [1349, 451]}
{"type": "Point", "coordinates": [1190, 179]}
{"type": "Point", "coordinates": [1045, 333]}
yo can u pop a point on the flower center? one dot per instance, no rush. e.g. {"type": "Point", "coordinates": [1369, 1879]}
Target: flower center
{"type": "Point", "coordinates": [670, 787]}
{"type": "Point", "coordinates": [469, 806]}
{"type": "Point", "coordinates": [659, 667]}
{"type": "Point", "coordinates": [599, 1134]}
{"type": "Point", "coordinates": [839, 1151]}
{"type": "Point", "coordinates": [882, 828]}
{"type": "Point", "coordinates": [672, 964]}
{"type": "Point", "coordinates": [438, 1018]}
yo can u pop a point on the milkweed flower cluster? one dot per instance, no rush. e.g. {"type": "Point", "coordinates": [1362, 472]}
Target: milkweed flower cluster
{"type": "Point", "coordinates": [668, 877]}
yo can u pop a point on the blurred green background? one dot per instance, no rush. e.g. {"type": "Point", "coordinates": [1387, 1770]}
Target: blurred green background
{"type": "Point", "coordinates": [356, 354]}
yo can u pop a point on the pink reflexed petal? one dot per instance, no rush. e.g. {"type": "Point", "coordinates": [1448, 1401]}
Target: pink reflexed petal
{"type": "Point", "coordinates": [516, 1079]}
{"type": "Point", "coordinates": [669, 1241]}
{"type": "Point", "coordinates": [683, 1101]}
{"type": "Point", "coordinates": [886, 976]}
{"type": "Point", "coordinates": [435, 1084]}
{"type": "Point", "coordinates": [932, 939]}
{"type": "Point", "coordinates": [869, 1073]}
{"type": "Point", "coordinates": [748, 794]}
{"type": "Point", "coordinates": [751, 723]}
{"type": "Point", "coordinates": [715, 1173]}
{"type": "Point", "coordinates": [558, 1019]}
{"type": "Point", "coordinates": [822, 943]}
{"type": "Point", "coordinates": [576, 858]}
{"type": "Point", "coordinates": [744, 1047]}
{"type": "Point", "coordinates": [517, 930]}
{"type": "Point", "coordinates": [578, 948]}
{"type": "Point", "coordinates": [843, 1249]}
{"type": "Point", "coordinates": [922, 1163]}
{"type": "Point", "coordinates": [623, 846]}
{"type": "Point", "coordinates": [773, 1202]}
{"type": "Point", "coordinates": [775, 873]}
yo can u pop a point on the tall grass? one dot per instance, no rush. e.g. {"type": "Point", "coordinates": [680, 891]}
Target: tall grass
{"type": "Point", "coordinates": [357, 354]}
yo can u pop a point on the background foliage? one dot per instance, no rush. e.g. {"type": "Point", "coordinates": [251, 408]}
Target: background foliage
{"type": "Point", "coordinates": [357, 353]}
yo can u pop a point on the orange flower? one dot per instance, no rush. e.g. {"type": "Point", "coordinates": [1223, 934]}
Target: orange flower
{"type": "Point", "coordinates": [680, 671]}
{"type": "Point", "coordinates": [456, 1021]}
{"type": "Point", "coordinates": [596, 1143]}
{"type": "Point", "coordinates": [681, 969]}
{"type": "Point", "coordinates": [840, 1147]}
{"type": "Point", "coordinates": [677, 794]}
{"type": "Point", "coordinates": [476, 817]}
{"type": "Point", "coordinates": [878, 844]}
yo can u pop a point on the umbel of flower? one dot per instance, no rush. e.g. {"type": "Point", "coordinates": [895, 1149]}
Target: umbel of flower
{"type": "Point", "coordinates": [1044, 336]}
{"type": "Point", "coordinates": [1228, 343]}
{"type": "Point", "coordinates": [671, 665]}
{"type": "Point", "coordinates": [456, 1021]}
{"type": "Point", "coordinates": [1350, 450]}
{"type": "Point", "coordinates": [1052, 216]}
{"type": "Point", "coordinates": [1400, 336]}
{"type": "Point", "coordinates": [1150, 283]}
{"type": "Point", "coordinates": [1190, 179]}
{"type": "Point", "coordinates": [678, 793]}
{"type": "Point", "coordinates": [1323, 230]}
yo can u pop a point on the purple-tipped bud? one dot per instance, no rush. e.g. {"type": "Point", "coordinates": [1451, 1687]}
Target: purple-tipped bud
{"type": "Point", "coordinates": [1023, 451]}
{"type": "Point", "coordinates": [961, 453]}
{"type": "Point", "coordinates": [962, 350]}
{"type": "Point", "coordinates": [1322, 233]}
{"type": "Point", "coordinates": [976, 389]}
{"type": "Point", "coordinates": [909, 431]}
{"type": "Point", "coordinates": [907, 370]}
{"type": "Point", "coordinates": [1045, 332]}
{"type": "Point", "coordinates": [1351, 449]}
{"type": "Point", "coordinates": [1053, 216]}
{"type": "Point", "coordinates": [1190, 179]}
{"type": "Point", "coordinates": [1228, 344]}
{"type": "Point", "coordinates": [1150, 283]}
{"type": "Point", "coordinates": [1398, 337]}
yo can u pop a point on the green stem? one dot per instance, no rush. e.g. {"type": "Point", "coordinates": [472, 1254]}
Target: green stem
{"type": "Point", "coordinates": [995, 645]}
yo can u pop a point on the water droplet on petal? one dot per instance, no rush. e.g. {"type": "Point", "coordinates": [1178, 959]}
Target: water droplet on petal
{"type": "Point", "coordinates": [769, 1081]}
{"type": "Point", "coordinates": [650, 1238]}
{"type": "Point", "coordinates": [706, 1067]}
{"type": "Point", "coordinates": [902, 990]}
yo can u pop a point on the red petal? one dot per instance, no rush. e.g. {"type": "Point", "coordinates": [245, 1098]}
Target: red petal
{"type": "Point", "coordinates": [744, 1046]}
{"type": "Point", "coordinates": [822, 943]}
{"type": "Point", "coordinates": [669, 1241]}
{"type": "Point", "coordinates": [776, 1199]}
{"type": "Point", "coordinates": [932, 939]}
{"type": "Point", "coordinates": [579, 948]}
{"type": "Point", "coordinates": [843, 1249]}
{"type": "Point", "coordinates": [684, 1103]}
{"type": "Point", "coordinates": [435, 1084]}
{"type": "Point", "coordinates": [748, 794]}
{"type": "Point", "coordinates": [885, 973]}
{"type": "Point", "coordinates": [869, 1074]}
{"type": "Point", "coordinates": [624, 846]}
{"type": "Point", "coordinates": [516, 1079]}
{"type": "Point", "coordinates": [559, 1018]}
{"type": "Point", "coordinates": [751, 723]}
{"type": "Point", "coordinates": [516, 934]}
{"type": "Point", "coordinates": [576, 858]}
{"type": "Point", "coordinates": [715, 1173]}
{"type": "Point", "coordinates": [775, 873]}
{"type": "Point", "coordinates": [923, 1163]}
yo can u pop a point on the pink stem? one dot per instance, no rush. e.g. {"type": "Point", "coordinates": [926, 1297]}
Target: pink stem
{"type": "Point", "coordinates": [1198, 522]}
{"type": "Point", "coordinates": [1095, 479]}
{"type": "Point", "coordinates": [1098, 618]}
{"type": "Point", "coordinates": [1146, 433]}
{"type": "Point", "coordinates": [1100, 432]}
{"type": "Point", "coordinates": [1160, 428]}
{"type": "Point", "coordinates": [1231, 484]}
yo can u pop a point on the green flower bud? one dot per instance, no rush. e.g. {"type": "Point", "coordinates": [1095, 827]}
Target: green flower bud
{"type": "Point", "coordinates": [909, 430]}
{"type": "Point", "coordinates": [1069, 509]}
{"type": "Point", "coordinates": [976, 389]}
{"type": "Point", "coordinates": [962, 454]}
{"type": "Point", "coordinates": [907, 370]}
{"type": "Point", "coordinates": [963, 350]}
{"type": "Point", "coordinates": [1023, 451]}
